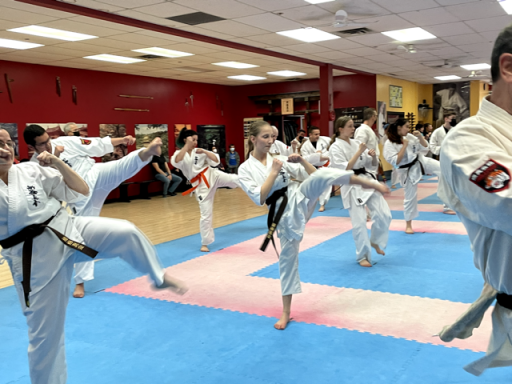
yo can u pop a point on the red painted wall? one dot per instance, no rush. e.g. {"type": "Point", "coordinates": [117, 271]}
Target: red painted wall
{"type": "Point", "coordinates": [36, 101]}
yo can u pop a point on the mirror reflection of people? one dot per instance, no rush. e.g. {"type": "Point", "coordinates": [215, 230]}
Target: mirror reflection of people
{"type": "Point", "coordinates": [450, 100]}
{"type": "Point", "coordinates": [232, 160]}
{"type": "Point", "coordinates": [450, 120]}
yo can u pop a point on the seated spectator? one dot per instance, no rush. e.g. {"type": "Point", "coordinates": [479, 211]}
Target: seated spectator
{"type": "Point", "coordinates": [163, 173]}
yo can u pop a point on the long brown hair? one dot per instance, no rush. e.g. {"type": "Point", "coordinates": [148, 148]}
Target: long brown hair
{"type": "Point", "coordinates": [340, 123]}
{"type": "Point", "coordinates": [254, 130]}
{"type": "Point", "coordinates": [392, 131]}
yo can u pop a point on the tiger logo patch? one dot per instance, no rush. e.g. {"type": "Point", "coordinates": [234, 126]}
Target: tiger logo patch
{"type": "Point", "coordinates": [491, 177]}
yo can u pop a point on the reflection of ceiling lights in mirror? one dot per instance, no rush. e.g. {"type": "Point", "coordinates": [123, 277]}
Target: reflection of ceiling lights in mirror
{"type": "Point", "coordinates": [114, 59]}
{"type": "Point", "coordinates": [409, 34]}
{"type": "Point", "coordinates": [14, 44]}
{"type": "Point", "coordinates": [450, 77]}
{"type": "Point", "coordinates": [309, 35]}
{"type": "Point", "coordinates": [476, 67]}
{"type": "Point", "coordinates": [52, 33]}
{"type": "Point", "coordinates": [506, 5]}
{"type": "Point", "coordinates": [247, 77]}
{"type": "Point", "coordinates": [162, 52]}
{"type": "Point", "coordinates": [236, 64]}
{"type": "Point", "coordinates": [286, 73]}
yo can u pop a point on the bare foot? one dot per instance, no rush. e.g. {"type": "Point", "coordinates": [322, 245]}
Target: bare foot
{"type": "Point", "coordinates": [175, 285]}
{"type": "Point", "coordinates": [283, 322]}
{"type": "Point", "coordinates": [322, 208]}
{"type": "Point", "coordinates": [393, 186]}
{"type": "Point", "coordinates": [379, 251]}
{"type": "Point", "coordinates": [204, 248]}
{"type": "Point", "coordinates": [365, 263]}
{"type": "Point", "coordinates": [153, 149]}
{"type": "Point", "coordinates": [79, 291]}
{"type": "Point", "coordinates": [409, 231]}
{"type": "Point", "coordinates": [449, 212]}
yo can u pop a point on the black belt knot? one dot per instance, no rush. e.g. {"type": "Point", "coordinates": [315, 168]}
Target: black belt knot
{"type": "Point", "coordinates": [363, 171]}
{"type": "Point", "coordinates": [409, 166]}
{"type": "Point", "coordinates": [504, 300]}
{"type": "Point", "coordinates": [272, 218]}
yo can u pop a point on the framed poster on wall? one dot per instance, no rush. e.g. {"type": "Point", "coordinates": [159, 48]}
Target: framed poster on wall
{"type": "Point", "coordinates": [395, 96]}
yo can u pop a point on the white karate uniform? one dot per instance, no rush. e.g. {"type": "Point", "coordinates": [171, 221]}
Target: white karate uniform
{"type": "Point", "coordinates": [303, 191]}
{"type": "Point", "coordinates": [52, 263]}
{"type": "Point", "coordinates": [307, 150]}
{"type": "Point", "coordinates": [191, 166]}
{"type": "Point", "coordinates": [102, 178]}
{"type": "Point", "coordinates": [280, 148]}
{"type": "Point", "coordinates": [436, 140]}
{"type": "Point", "coordinates": [409, 178]}
{"type": "Point", "coordinates": [365, 134]}
{"type": "Point", "coordinates": [476, 161]}
{"type": "Point", "coordinates": [355, 197]}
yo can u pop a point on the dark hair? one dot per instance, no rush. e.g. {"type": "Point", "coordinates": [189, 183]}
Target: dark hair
{"type": "Point", "coordinates": [254, 130]}
{"type": "Point", "coordinates": [426, 125]}
{"type": "Point", "coordinates": [369, 113]}
{"type": "Point", "coordinates": [503, 44]}
{"type": "Point", "coordinates": [392, 132]}
{"type": "Point", "coordinates": [301, 130]}
{"type": "Point", "coordinates": [184, 133]}
{"type": "Point", "coordinates": [449, 113]}
{"type": "Point", "coordinates": [418, 126]}
{"type": "Point", "coordinates": [31, 132]}
{"type": "Point", "coordinates": [312, 128]}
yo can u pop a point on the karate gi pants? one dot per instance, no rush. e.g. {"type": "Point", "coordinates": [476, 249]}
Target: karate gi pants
{"type": "Point", "coordinates": [102, 179]}
{"type": "Point", "coordinates": [206, 197]}
{"type": "Point", "coordinates": [47, 312]}
{"type": "Point", "coordinates": [381, 217]}
{"type": "Point", "coordinates": [311, 188]}
{"type": "Point", "coordinates": [325, 196]}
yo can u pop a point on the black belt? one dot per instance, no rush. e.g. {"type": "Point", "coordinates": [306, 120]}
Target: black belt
{"type": "Point", "coordinates": [27, 235]}
{"type": "Point", "coordinates": [272, 220]}
{"type": "Point", "coordinates": [363, 171]}
{"type": "Point", "coordinates": [409, 166]}
{"type": "Point", "coordinates": [504, 300]}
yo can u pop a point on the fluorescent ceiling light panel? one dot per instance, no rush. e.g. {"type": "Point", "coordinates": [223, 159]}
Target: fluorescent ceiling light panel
{"type": "Point", "coordinates": [247, 77]}
{"type": "Point", "coordinates": [236, 64]}
{"type": "Point", "coordinates": [309, 35]}
{"type": "Point", "coordinates": [450, 77]}
{"type": "Point", "coordinates": [409, 34]}
{"type": "Point", "coordinates": [114, 59]}
{"type": "Point", "coordinates": [286, 73]}
{"type": "Point", "coordinates": [162, 52]}
{"type": "Point", "coordinates": [52, 33]}
{"type": "Point", "coordinates": [14, 44]}
{"type": "Point", "coordinates": [476, 67]}
{"type": "Point", "coordinates": [319, 1]}
{"type": "Point", "coordinates": [506, 5]}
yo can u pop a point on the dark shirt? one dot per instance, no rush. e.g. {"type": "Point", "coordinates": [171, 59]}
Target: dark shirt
{"type": "Point", "coordinates": [314, 143]}
{"type": "Point", "coordinates": [160, 160]}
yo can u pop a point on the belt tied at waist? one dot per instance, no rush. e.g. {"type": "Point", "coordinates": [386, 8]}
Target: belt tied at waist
{"type": "Point", "coordinates": [27, 236]}
{"type": "Point", "coordinates": [272, 218]}
{"type": "Point", "coordinates": [199, 177]}
{"type": "Point", "coordinates": [504, 300]}
{"type": "Point", "coordinates": [363, 171]}
{"type": "Point", "coordinates": [409, 166]}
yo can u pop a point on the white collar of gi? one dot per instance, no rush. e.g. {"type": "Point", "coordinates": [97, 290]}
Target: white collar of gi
{"type": "Point", "coordinates": [502, 120]}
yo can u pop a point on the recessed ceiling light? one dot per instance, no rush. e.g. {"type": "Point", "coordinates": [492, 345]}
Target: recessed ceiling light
{"type": "Point", "coordinates": [162, 52]}
{"type": "Point", "coordinates": [506, 5]}
{"type": "Point", "coordinates": [247, 77]}
{"type": "Point", "coordinates": [14, 44]}
{"type": "Point", "coordinates": [286, 73]}
{"type": "Point", "coordinates": [114, 59]}
{"type": "Point", "coordinates": [319, 1]}
{"type": "Point", "coordinates": [52, 33]}
{"type": "Point", "coordinates": [476, 67]}
{"type": "Point", "coordinates": [236, 64]}
{"type": "Point", "coordinates": [309, 35]}
{"type": "Point", "coordinates": [450, 77]}
{"type": "Point", "coordinates": [409, 34]}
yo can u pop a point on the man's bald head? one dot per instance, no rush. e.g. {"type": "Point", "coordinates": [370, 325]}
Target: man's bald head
{"type": "Point", "coordinates": [275, 133]}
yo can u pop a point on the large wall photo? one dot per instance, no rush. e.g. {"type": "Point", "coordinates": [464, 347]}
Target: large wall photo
{"type": "Point", "coordinates": [114, 130]}
{"type": "Point", "coordinates": [145, 133]}
{"type": "Point", "coordinates": [451, 97]}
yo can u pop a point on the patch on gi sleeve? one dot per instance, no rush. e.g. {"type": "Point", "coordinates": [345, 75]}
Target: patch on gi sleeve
{"type": "Point", "coordinates": [491, 177]}
{"type": "Point", "coordinates": [85, 141]}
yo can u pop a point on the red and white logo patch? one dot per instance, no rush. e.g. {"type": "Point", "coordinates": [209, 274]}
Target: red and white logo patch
{"type": "Point", "coordinates": [85, 141]}
{"type": "Point", "coordinates": [491, 177]}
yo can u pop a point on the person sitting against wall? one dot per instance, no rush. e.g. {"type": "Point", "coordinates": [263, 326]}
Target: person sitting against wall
{"type": "Point", "coordinates": [163, 174]}
{"type": "Point", "coordinates": [232, 160]}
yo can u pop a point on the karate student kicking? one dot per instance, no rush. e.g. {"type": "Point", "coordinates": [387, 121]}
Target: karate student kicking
{"type": "Point", "coordinates": [102, 178]}
{"type": "Point", "coordinates": [476, 164]}
{"type": "Point", "coordinates": [276, 181]}
{"type": "Point", "coordinates": [348, 154]}
{"type": "Point", "coordinates": [41, 241]}
{"type": "Point", "coordinates": [197, 166]}
{"type": "Point", "coordinates": [317, 144]}
{"type": "Point", "coordinates": [405, 152]}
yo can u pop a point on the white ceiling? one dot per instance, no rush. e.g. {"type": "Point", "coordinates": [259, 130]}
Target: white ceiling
{"type": "Point", "coordinates": [465, 31]}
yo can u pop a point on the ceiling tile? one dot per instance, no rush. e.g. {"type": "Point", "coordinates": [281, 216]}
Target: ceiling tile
{"type": "Point", "coordinates": [405, 6]}
{"type": "Point", "coordinates": [476, 10]}
{"type": "Point", "coordinates": [99, 5]}
{"type": "Point", "coordinates": [387, 23]}
{"type": "Point", "coordinates": [234, 28]}
{"type": "Point", "coordinates": [273, 5]}
{"type": "Point", "coordinates": [27, 18]}
{"type": "Point", "coordinates": [428, 17]}
{"type": "Point", "coordinates": [165, 10]}
{"type": "Point", "coordinates": [340, 44]}
{"type": "Point", "coordinates": [490, 36]}
{"type": "Point", "coordinates": [227, 9]}
{"type": "Point", "coordinates": [310, 15]}
{"type": "Point", "coordinates": [102, 23]}
{"type": "Point", "coordinates": [270, 22]}
{"type": "Point", "coordinates": [130, 3]}
{"type": "Point", "coordinates": [70, 25]}
{"type": "Point", "coordinates": [366, 51]}
{"type": "Point", "coordinates": [371, 40]}
{"type": "Point", "coordinates": [450, 29]}
{"type": "Point", "coordinates": [464, 39]}
{"type": "Point", "coordinates": [307, 48]}
{"type": "Point", "coordinates": [490, 24]}
{"type": "Point", "coordinates": [334, 55]}
{"type": "Point", "coordinates": [145, 17]}
{"type": "Point", "coordinates": [206, 32]}
{"type": "Point", "coordinates": [272, 39]}
{"type": "Point", "coordinates": [35, 9]}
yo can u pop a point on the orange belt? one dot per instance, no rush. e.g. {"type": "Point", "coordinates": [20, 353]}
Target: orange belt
{"type": "Point", "coordinates": [200, 177]}
{"type": "Point", "coordinates": [325, 165]}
